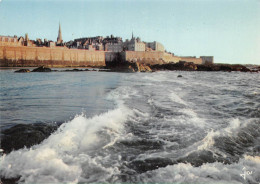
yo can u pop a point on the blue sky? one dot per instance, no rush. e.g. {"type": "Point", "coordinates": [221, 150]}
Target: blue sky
{"type": "Point", "coordinates": [227, 29]}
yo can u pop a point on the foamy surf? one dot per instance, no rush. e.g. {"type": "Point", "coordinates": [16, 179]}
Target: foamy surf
{"type": "Point", "coordinates": [69, 154]}
{"type": "Point", "coordinates": [201, 128]}
{"type": "Point", "coordinates": [215, 173]}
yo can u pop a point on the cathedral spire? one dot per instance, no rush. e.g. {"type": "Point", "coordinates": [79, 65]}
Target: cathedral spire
{"type": "Point", "coordinates": [132, 35]}
{"type": "Point", "coordinates": [59, 38]}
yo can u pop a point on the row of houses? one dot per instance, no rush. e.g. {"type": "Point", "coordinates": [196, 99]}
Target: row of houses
{"type": "Point", "coordinates": [111, 47]}
{"type": "Point", "coordinates": [114, 44]}
{"type": "Point", "coordinates": [109, 43]}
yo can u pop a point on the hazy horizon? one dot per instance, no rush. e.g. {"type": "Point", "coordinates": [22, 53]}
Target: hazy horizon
{"type": "Point", "coordinates": [227, 30]}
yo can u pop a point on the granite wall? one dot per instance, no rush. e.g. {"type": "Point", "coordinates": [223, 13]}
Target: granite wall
{"type": "Point", "coordinates": [12, 56]}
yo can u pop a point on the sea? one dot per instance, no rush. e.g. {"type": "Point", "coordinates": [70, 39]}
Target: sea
{"type": "Point", "coordinates": [200, 127]}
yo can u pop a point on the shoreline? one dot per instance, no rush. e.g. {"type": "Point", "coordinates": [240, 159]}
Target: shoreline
{"type": "Point", "coordinates": [132, 67]}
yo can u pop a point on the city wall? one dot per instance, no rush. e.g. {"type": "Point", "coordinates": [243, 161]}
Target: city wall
{"type": "Point", "coordinates": [16, 56]}
{"type": "Point", "coordinates": [143, 57]}
{"type": "Point", "coordinates": [192, 59]}
{"type": "Point", "coordinates": [156, 57]}
{"type": "Point", "coordinates": [21, 56]}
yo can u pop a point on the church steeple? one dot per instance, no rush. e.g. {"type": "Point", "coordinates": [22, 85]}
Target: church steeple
{"type": "Point", "coordinates": [59, 38]}
{"type": "Point", "coordinates": [132, 35]}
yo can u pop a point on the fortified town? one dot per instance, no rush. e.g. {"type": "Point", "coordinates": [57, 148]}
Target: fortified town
{"type": "Point", "coordinates": [85, 52]}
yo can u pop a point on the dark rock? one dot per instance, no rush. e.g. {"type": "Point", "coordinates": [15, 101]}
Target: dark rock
{"type": "Point", "coordinates": [77, 70]}
{"type": "Point", "coordinates": [9, 180]}
{"type": "Point", "coordinates": [149, 164]}
{"type": "Point", "coordinates": [225, 68]}
{"type": "Point", "coordinates": [222, 67]}
{"type": "Point", "coordinates": [244, 69]}
{"type": "Point", "coordinates": [101, 70]}
{"type": "Point", "coordinates": [23, 71]}
{"type": "Point", "coordinates": [205, 68]}
{"type": "Point", "coordinates": [42, 69]}
{"type": "Point", "coordinates": [137, 66]}
{"type": "Point", "coordinates": [179, 76]}
{"type": "Point", "coordinates": [198, 158]}
{"type": "Point", "coordinates": [125, 67]}
{"type": "Point", "coordinates": [23, 135]}
{"type": "Point", "coordinates": [183, 66]}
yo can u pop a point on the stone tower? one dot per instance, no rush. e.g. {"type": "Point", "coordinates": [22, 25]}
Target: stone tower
{"type": "Point", "coordinates": [59, 38]}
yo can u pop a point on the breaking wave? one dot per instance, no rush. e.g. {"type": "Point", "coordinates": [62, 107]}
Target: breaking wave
{"type": "Point", "coordinates": [201, 128]}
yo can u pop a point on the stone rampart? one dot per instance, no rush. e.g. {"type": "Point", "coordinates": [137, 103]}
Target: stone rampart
{"type": "Point", "coordinates": [12, 56]}
{"type": "Point", "coordinates": [152, 57]}
{"type": "Point", "coordinates": [20, 56]}
{"type": "Point", "coordinates": [191, 59]}
{"type": "Point", "coordinates": [156, 57]}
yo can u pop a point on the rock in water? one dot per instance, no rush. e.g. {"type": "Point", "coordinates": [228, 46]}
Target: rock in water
{"type": "Point", "coordinates": [23, 71]}
{"type": "Point", "coordinates": [142, 67]}
{"type": "Point", "coordinates": [42, 69]}
{"type": "Point", "coordinates": [179, 76]}
{"type": "Point", "coordinates": [27, 135]}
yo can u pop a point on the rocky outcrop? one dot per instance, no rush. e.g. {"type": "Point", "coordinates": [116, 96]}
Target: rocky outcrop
{"type": "Point", "coordinates": [128, 67]}
{"type": "Point", "coordinates": [76, 70]}
{"type": "Point", "coordinates": [42, 69]}
{"type": "Point", "coordinates": [22, 135]}
{"type": "Point", "coordinates": [255, 69]}
{"type": "Point", "coordinates": [142, 67]}
{"type": "Point", "coordinates": [22, 71]}
{"type": "Point", "coordinates": [187, 66]}
{"type": "Point", "coordinates": [223, 67]}
{"type": "Point", "coordinates": [183, 66]}
{"type": "Point", "coordinates": [137, 66]}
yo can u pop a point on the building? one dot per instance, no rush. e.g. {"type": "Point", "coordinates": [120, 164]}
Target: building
{"type": "Point", "coordinates": [156, 46]}
{"type": "Point", "coordinates": [135, 44]}
{"type": "Point", "coordinates": [114, 47]}
{"type": "Point", "coordinates": [207, 59]}
{"type": "Point", "coordinates": [28, 42]}
{"type": "Point", "coordinates": [89, 51]}
{"type": "Point", "coordinates": [8, 40]}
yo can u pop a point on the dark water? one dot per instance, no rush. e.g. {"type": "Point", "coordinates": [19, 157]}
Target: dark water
{"type": "Point", "coordinates": [142, 127]}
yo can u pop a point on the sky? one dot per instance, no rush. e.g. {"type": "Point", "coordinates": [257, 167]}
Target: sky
{"type": "Point", "coordinates": [229, 30]}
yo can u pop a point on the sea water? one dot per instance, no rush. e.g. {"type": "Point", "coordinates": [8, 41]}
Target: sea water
{"type": "Point", "coordinates": [203, 127]}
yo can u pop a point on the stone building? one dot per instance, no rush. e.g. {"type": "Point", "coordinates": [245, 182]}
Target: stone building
{"type": "Point", "coordinates": [28, 42]}
{"type": "Point", "coordinates": [89, 51]}
{"type": "Point", "coordinates": [135, 44]}
{"type": "Point", "coordinates": [156, 46]}
{"type": "Point", "coordinates": [113, 44]}
{"type": "Point", "coordinates": [207, 59]}
{"type": "Point", "coordinates": [110, 43]}
{"type": "Point", "coordinates": [8, 40]}
{"type": "Point", "coordinates": [114, 47]}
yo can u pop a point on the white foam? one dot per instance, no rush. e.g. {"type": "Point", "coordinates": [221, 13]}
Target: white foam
{"type": "Point", "coordinates": [121, 93]}
{"type": "Point", "coordinates": [207, 173]}
{"type": "Point", "coordinates": [66, 155]}
{"type": "Point", "coordinates": [191, 117]}
{"type": "Point", "coordinates": [208, 141]}
{"type": "Point", "coordinates": [176, 98]}
{"type": "Point", "coordinates": [231, 130]}
{"type": "Point", "coordinates": [234, 126]}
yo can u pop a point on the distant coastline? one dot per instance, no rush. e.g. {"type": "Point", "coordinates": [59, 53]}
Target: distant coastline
{"type": "Point", "coordinates": [132, 67]}
{"type": "Point", "coordinates": [95, 51]}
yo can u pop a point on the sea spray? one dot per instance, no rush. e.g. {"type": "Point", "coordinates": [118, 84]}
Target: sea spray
{"type": "Point", "coordinates": [201, 128]}
{"type": "Point", "coordinates": [64, 156]}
